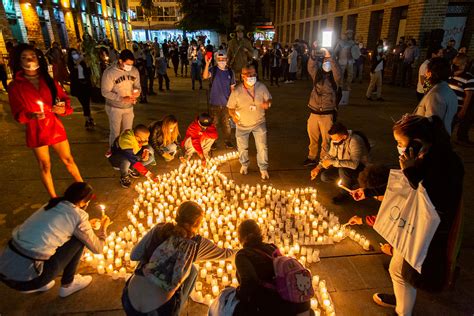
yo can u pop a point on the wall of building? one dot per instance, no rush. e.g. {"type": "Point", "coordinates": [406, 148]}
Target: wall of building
{"type": "Point", "coordinates": [373, 19]}
{"type": "Point", "coordinates": [67, 26]}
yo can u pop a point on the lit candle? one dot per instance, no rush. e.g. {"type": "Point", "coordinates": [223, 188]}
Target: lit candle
{"type": "Point", "coordinates": [100, 269]}
{"type": "Point", "coordinates": [41, 105]}
{"type": "Point", "coordinates": [102, 209]}
{"type": "Point", "coordinates": [339, 184]}
{"type": "Point", "coordinates": [198, 286]}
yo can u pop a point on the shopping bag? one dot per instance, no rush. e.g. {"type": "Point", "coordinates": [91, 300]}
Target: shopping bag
{"type": "Point", "coordinates": [225, 303]}
{"type": "Point", "coordinates": [407, 219]}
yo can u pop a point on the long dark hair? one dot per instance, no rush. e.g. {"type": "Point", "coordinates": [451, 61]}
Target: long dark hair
{"type": "Point", "coordinates": [249, 233]}
{"type": "Point", "coordinates": [188, 212]}
{"type": "Point", "coordinates": [321, 76]}
{"type": "Point", "coordinates": [43, 70]}
{"type": "Point", "coordinates": [428, 129]}
{"type": "Point", "coordinates": [76, 192]}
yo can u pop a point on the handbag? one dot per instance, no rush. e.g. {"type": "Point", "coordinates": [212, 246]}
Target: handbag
{"type": "Point", "coordinates": [407, 219]}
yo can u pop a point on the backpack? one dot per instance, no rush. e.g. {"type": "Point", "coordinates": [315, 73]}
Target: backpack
{"type": "Point", "coordinates": [364, 138]}
{"type": "Point", "coordinates": [171, 261]}
{"type": "Point", "coordinates": [292, 280]}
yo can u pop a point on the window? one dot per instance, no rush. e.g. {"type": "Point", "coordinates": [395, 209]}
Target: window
{"type": "Point", "coordinates": [340, 5]}
{"type": "Point", "coordinates": [317, 4]}
{"type": "Point", "coordinates": [308, 8]}
{"type": "Point", "coordinates": [324, 9]}
{"type": "Point", "coordinates": [353, 4]}
{"type": "Point", "coordinates": [352, 22]}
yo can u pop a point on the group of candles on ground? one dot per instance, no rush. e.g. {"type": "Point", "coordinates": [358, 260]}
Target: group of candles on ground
{"type": "Point", "coordinates": [293, 220]}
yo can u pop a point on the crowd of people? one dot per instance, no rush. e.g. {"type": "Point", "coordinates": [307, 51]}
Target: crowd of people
{"type": "Point", "coordinates": [51, 241]}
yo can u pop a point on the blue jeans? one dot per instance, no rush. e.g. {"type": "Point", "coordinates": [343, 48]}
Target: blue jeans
{"type": "Point", "coordinates": [173, 306]}
{"type": "Point", "coordinates": [196, 74]}
{"type": "Point", "coordinates": [259, 132]}
{"type": "Point", "coordinates": [119, 161]}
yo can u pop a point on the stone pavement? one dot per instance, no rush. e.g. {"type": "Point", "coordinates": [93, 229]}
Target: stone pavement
{"type": "Point", "coordinates": [352, 274]}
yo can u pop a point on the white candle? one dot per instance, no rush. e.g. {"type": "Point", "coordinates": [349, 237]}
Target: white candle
{"type": "Point", "coordinates": [100, 269]}
{"type": "Point", "coordinates": [41, 105]}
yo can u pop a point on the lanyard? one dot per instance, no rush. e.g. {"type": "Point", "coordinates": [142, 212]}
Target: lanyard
{"type": "Point", "coordinates": [250, 94]}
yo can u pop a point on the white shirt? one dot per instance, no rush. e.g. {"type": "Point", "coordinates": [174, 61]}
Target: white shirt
{"type": "Point", "coordinates": [422, 72]}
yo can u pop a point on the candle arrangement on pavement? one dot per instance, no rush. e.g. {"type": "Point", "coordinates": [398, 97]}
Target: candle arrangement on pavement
{"type": "Point", "coordinates": [293, 220]}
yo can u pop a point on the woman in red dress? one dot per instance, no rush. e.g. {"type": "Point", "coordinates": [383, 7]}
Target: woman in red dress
{"type": "Point", "coordinates": [36, 101]}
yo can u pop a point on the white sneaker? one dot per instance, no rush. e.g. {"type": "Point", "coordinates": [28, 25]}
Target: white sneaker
{"type": "Point", "coordinates": [41, 289]}
{"type": "Point", "coordinates": [78, 284]}
{"type": "Point", "coordinates": [264, 174]}
{"type": "Point", "coordinates": [244, 170]}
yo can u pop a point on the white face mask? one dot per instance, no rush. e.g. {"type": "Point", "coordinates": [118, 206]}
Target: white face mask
{"type": "Point", "coordinates": [75, 56]}
{"type": "Point", "coordinates": [401, 150]}
{"type": "Point", "coordinates": [251, 81]}
{"type": "Point", "coordinates": [361, 45]}
{"type": "Point", "coordinates": [31, 66]}
{"type": "Point", "coordinates": [221, 64]}
{"type": "Point", "coordinates": [327, 66]}
{"type": "Point", "coordinates": [127, 67]}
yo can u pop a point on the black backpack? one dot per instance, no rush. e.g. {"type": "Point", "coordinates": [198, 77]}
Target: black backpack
{"type": "Point", "coordinates": [364, 138]}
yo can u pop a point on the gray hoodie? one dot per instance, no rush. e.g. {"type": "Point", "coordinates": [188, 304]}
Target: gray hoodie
{"type": "Point", "coordinates": [118, 83]}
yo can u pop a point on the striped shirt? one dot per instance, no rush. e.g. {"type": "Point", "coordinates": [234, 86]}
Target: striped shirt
{"type": "Point", "coordinates": [460, 84]}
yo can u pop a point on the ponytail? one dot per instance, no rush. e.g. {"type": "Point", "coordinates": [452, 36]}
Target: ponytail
{"type": "Point", "coordinates": [76, 192]}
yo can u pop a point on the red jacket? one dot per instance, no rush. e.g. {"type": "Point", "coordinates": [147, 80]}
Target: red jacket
{"type": "Point", "coordinates": [197, 134]}
{"type": "Point", "coordinates": [24, 98]}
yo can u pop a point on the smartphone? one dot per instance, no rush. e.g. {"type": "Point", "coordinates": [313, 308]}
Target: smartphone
{"type": "Point", "coordinates": [209, 55]}
{"type": "Point", "coordinates": [415, 145]}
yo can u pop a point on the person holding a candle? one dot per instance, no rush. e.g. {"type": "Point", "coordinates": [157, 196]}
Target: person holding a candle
{"type": "Point", "coordinates": [254, 268]}
{"type": "Point", "coordinates": [141, 295]}
{"type": "Point", "coordinates": [326, 73]}
{"type": "Point", "coordinates": [200, 136]}
{"type": "Point", "coordinates": [120, 87]}
{"type": "Point", "coordinates": [247, 105]}
{"type": "Point", "coordinates": [51, 242]}
{"type": "Point", "coordinates": [427, 157]}
{"type": "Point", "coordinates": [37, 101]}
{"type": "Point", "coordinates": [164, 137]}
{"type": "Point", "coordinates": [131, 150]}
{"type": "Point", "coordinates": [347, 157]}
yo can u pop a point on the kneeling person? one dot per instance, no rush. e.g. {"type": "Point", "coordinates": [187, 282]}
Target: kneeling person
{"type": "Point", "coordinates": [200, 136]}
{"type": "Point", "coordinates": [131, 150]}
{"type": "Point", "coordinates": [347, 157]}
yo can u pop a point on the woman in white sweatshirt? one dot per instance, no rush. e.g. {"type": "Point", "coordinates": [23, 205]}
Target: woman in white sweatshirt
{"type": "Point", "coordinates": [51, 242]}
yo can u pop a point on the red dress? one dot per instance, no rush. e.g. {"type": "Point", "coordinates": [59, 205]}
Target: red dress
{"type": "Point", "coordinates": [24, 98]}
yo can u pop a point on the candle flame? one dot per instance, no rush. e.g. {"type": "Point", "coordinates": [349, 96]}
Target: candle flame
{"type": "Point", "coordinates": [102, 207]}
{"type": "Point", "coordinates": [339, 183]}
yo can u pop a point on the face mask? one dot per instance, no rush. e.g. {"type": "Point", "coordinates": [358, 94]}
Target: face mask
{"type": "Point", "coordinates": [401, 150]}
{"type": "Point", "coordinates": [32, 66]}
{"type": "Point", "coordinates": [361, 45]}
{"type": "Point", "coordinates": [251, 81]}
{"type": "Point", "coordinates": [127, 67]}
{"type": "Point", "coordinates": [221, 64]}
{"type": "Point", "coordinates": [379, 50]}
{"type": "Point", "coordinates": [327, 66]}
{"type": "Point", "coordinates": [337, 143]}
{"type": "Point", "coordinates": [75, 56]}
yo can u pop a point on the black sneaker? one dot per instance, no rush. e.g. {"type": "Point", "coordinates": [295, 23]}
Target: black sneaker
{"type": "Point", "coordinates": [229, 145]}
{"type": "Point", "coordinates": [341, 198]}
{"type": "Point", "coordinates": [385, 300]}
{"type": "Point", "coordinates": [310, 162]}
{"type": "Point", "coordinates": [126, 182]}
{"type": "Point", "coordinates": [133, 173]}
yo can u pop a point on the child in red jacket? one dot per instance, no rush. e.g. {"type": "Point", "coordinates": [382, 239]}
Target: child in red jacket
{"type": "Point", "coordinates": [200, 136]}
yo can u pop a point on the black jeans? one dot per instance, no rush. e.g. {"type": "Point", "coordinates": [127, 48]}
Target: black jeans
{"type": "Point", "coordinates": [265, 70]}
{"type": "Point", "coordinates": [347, 175]}
{"type": "Point", "coordinates": [407, 77]}
{"type": "Point", "coordinates": [65, 260]}
{"type": "Point", "coordinates": [465, 124]}
{"type": "Point", "coordinates": [274, 74]}
{"type": "Point", "coordinates": [84, 97]}
{"type": "Point", "coordinates": [151, 78]}
{"type": "Point", "coordinates": [220, 115]}
{"type": "Point", "coordinates": [160, 81]}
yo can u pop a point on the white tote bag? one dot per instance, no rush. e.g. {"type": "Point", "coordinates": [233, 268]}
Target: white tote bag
{"type": "Point", "coordinates": [407, 219]}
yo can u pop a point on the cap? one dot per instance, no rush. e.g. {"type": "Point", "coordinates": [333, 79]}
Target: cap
{"type": "Point", "coordinates": [205, 119]}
